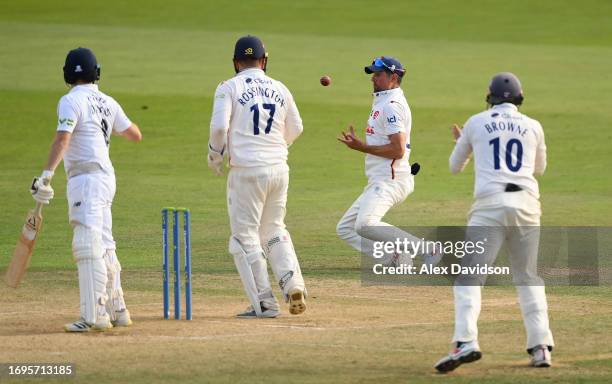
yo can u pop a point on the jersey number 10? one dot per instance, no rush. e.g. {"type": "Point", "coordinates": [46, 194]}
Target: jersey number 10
{"type": "Point", "coordinates": [255, 110]}
{"type": "Point", "coordinates": [509, 148]}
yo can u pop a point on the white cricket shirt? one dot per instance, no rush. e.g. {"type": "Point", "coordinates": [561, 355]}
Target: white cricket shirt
{"type": "Point", "coordinates": [90, 116]}
{"type": "Point", "coordinates": [390, 114]}
{"type": "Point", "coordinates": [508, 147]}
{"type": "Point", "coordinates": [256, 117]}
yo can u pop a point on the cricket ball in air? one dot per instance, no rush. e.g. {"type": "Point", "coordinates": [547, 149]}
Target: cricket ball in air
{"type": "Point", "coordinates": [325, 81]}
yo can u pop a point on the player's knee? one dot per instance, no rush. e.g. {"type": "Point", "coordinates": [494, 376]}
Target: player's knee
{"type": "Point", "coordinates": [344, 230]}
{"type": "Point", "coordinates": [363, 227]}
{"type": "Point", "coordinates": [238, 246]}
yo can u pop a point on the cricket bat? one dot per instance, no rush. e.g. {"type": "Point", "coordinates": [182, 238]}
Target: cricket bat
{"type": "Point", "coordinates": [25, 246]}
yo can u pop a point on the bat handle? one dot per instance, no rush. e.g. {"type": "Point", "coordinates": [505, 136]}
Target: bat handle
{"type": "Point", "coordinates": [38, 209]}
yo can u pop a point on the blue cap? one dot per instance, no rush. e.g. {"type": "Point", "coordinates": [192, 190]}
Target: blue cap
{"type": "Point", "coordinates": [386, 63]}
{"type": "Point", "coordinates": [249, 47]}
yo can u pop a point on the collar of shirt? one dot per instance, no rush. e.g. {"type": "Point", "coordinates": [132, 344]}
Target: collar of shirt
{"type": "Point", "coordinates": [388, 93]}
{"type": "Point", "coordinates": [250, 71]}
{"type": "Point", "coordinates": [85, 86]}
{"type": "Point", "coordinates": [505, 105]}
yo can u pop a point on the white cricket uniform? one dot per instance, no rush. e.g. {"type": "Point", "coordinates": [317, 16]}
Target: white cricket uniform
{"type": "Point", "coordinates": [91, 117]}
{"type": "Point", "coordinates": [389, 180]}
{"type": "Point", "coordinates": [509, 149]}
{"type": "Point", "coordinates": [255, 119]}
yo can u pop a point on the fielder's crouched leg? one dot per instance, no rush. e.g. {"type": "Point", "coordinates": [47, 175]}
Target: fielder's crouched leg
{"type": "Point", "coordinates": [286, 268]}
{"type": "Point", "coordinates": [253, 271]}
{"type": "Point", "coordinates": [87, 250]}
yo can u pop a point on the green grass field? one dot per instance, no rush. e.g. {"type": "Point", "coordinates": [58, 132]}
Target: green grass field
{"type": "Point", "coordinates": [162, 61]}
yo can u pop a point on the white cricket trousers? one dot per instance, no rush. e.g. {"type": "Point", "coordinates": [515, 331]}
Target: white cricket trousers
{"type": "Point", "coordinates": [362, 223]}
{"type": "Point", "coordinates": [90, 197]}
{"type": "Point", "coordinates": [256, 202]}
{"type": "Point", "coordinates": [513, 218]}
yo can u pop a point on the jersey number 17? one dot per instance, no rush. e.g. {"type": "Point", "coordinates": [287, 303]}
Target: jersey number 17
{"type": "Point", "coordinates": [255, 110]}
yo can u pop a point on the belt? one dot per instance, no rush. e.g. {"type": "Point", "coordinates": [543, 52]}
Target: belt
{"type": "Point", "coordinates": [84, 168]}
{"type": "Point", "coordinates": [512, 188]}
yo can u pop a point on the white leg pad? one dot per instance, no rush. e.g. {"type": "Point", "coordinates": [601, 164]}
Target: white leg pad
{"type": "Point", "coordinates": [87, 250]}
{"type": "Point", "coordinates": [253, 272]}
{"type": "Point", "coordinates": [115, 302]}
{"type": "Point", "coordinates": [284, 262]}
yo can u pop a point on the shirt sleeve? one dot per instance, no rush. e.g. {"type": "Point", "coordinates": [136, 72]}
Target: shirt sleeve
{"type": "Point", "coordinates": [293, 121]}
{"type": "Point", "coordinates": [220, 120]}
{"type": "Point", "coordinates": [395, 118]}
{"type": "Point", "coordinates": [122, 122]}
{"type": "Point", "coordinates": [67, 115]}
{"type": "Point", "coordinates": [540, 158]}
{"type": "Point", "coordinates": [462, 151]}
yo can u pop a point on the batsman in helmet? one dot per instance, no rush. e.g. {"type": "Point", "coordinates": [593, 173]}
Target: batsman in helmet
{"type": "Point", "coordinates": [86, 120]}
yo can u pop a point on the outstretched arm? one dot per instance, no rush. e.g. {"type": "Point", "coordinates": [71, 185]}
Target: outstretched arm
{"type": "Point", "coordinates": [394, 150]}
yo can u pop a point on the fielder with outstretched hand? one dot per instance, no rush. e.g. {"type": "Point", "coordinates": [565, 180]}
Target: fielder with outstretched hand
{"type": "Point", "coordinates": [390, 176]}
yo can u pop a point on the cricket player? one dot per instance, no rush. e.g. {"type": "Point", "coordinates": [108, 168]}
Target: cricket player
{"type": "Point", "coordinates": [86, 120]}
{"type": "Point", "coordinates": [390, 176]}
{"type": "Point", "coordinates": [254, 121]}
{"type": "Point", "coordinates": [509, 150]}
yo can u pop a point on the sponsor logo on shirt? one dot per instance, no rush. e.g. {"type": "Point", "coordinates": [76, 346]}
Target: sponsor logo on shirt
{"type": "Point", "coordinates": [369, 130]}
{"type": "Point", "coordinates": [66, 121]}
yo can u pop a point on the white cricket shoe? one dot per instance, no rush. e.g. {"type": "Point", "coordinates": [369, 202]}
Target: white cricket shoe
{"type": "Point", "coordinates": [434, 257]}
{"type": "Point", "coordinates": [268, 313]}
{"type": "Point", "coordinates": [398, 260]}
{"type": "Point", "coordinates": [466, 352]}
{"type": "Point", "coordinates": [102, 324]}
{"type": "Point", "coordinates": [540, 356]}
{"type": "Point", "coordinates": [122, 318]}
{"type": "Point", "coordinates": [297, 301]}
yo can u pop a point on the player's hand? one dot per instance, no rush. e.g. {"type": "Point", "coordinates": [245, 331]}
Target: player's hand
{"type": "Point", "coordinates": [41, 188]}
{"type": "Point", "coordinates": [351, 140]}
{"type": "Point", "coordinates": [215, 161]}
{"type": "Point", "coordinates": [456, 130]}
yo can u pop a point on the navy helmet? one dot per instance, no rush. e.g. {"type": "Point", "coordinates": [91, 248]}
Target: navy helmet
{"type": "Point", "coordinates": [505, 87]}
{"type": "Point", "coordinates": [249, 47]}
{"type": "Point", "coordinates": [81, 64]}
{"type": "Point", "coordinates": [386, 63]}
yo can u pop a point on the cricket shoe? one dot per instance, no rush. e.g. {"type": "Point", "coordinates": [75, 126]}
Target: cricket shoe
{"type": "Point", "coordinates": [465, 352]}
{"type": "Point", "coordinates": [122, 318]}
{"type": "Point", "coordinates": [540, 356]}
{"type": "Point", "coordinates": [434, 257]}
{"type": "Point", "coordinates": [266, 313]}
{"type": "Point", "coordinates": [297, 301]}
{"type": "Point", "coordinates": [398, 260]}
{"type": "Point", "coordinates": [103, 324]}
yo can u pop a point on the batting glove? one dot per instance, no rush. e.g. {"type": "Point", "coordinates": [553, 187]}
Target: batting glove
{"type": "Point", "coordinates": [41, 187]}
{"type": "Point", "coordinates": [215, 160]}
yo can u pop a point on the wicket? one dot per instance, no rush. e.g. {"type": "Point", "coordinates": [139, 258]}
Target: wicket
{"type": "Point", "coordinates": [176, 261]}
